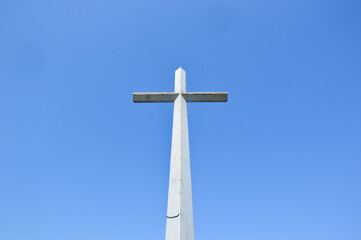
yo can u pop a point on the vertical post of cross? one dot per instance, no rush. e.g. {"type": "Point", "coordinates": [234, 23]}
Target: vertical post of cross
{"type": "Point", "coordinates": [180, 209]}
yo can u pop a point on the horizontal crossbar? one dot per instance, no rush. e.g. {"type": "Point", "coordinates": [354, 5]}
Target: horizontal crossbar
{"type": "Point", "coordinates": [154, 97]}
{"type": "Point", "coordinates": [206, 96]}
{"type": "Point", "coordinates": [189, 97]}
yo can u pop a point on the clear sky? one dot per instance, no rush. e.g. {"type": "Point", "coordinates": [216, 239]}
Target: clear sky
{"type": "Point", "coordinates": [280, 161]}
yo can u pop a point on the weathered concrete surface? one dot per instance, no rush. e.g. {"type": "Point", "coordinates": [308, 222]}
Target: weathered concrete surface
{"type": "Point", "coordinates": [206, 97]}
{"type": "Point", "coordinates": [189, 97]}
{"type": "Point", "coordinates": [154, 97]}
{"type": "Point", "coordinates": [180, 207]}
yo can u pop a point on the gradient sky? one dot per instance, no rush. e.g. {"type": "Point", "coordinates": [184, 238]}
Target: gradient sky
{"type": "Point", "coordinates": [280, 161]}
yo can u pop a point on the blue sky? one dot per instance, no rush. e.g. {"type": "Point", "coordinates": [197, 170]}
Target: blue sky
{"type": "Point", "coordinates": [79, 160]}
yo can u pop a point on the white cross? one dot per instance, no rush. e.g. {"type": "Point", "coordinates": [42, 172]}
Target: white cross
{"type": "Point", "coordinates": [180, 210]}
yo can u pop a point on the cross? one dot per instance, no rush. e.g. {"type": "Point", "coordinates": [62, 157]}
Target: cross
{"type": "Point", "coordinates": [180, 207]}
